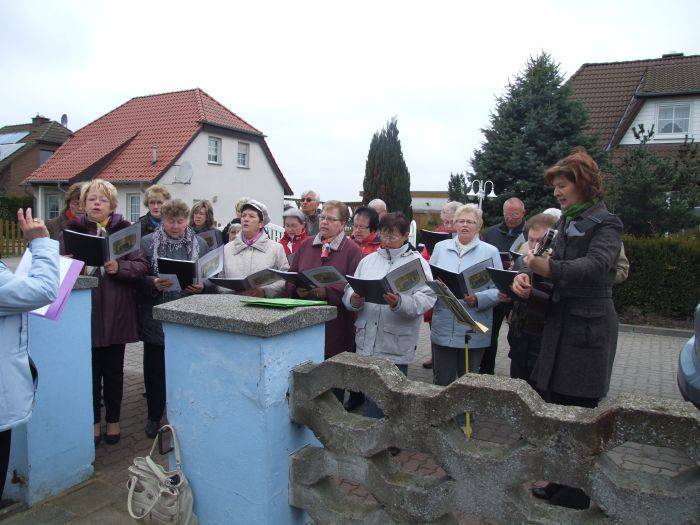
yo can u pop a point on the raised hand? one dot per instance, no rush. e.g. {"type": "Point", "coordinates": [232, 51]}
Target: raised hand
{"type": "Point", "coordinates": [31, 228]}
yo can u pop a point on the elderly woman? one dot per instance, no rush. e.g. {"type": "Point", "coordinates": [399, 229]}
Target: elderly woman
{"type": "Point", "coordinates": [446, 334]}
{"type": "Point", "coordinates": [365, 225]}
{"type": "Point", "coordinates": [114, 319]}
{"type": "Point", "coordinates": [253, 250]}
{"type": "Point", "coordinates": [71, 211]}
{"type": "Point", "coordinates": [580, 330]}
{"type": "Point", "coordinates": [330, 247]}
{"type": "Point", "coordinates": [153, 199]}
{"type": "Point", "coordinates": [202, 221]}
{"type": "Point", "coordinates": [175, 240]}
{"type": "Point", "coordinates": [294, 230]}
{"type": "Point", "coordinates": [390, 331]}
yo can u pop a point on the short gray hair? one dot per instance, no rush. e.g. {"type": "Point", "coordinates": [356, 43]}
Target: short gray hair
{"type": "Point", "coordinates": [377, 202]}
{"type": "Point", "coordinates": [474, 210]}
{"type": "Point", "coordinates": [316, 195]}
{"type": "Point", "coordinates": [450, 207]}
{"type": "Point", "coordinates": [514, 201]}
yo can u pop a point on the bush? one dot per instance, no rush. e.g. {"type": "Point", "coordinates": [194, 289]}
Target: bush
{"type": "Point", "coordinates": [10, 205]}
{"type": "Point", "coordinates": [664, 276]}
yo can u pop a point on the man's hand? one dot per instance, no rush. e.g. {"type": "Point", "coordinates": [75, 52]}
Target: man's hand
{"type": "Point", "coordinates": [31, 228]}
{"type": "Point", "coordinates": [521, 285]}
{"type": "Point", "coordinates": [392, 299]}
{"type": "Point", "coordinates": [318, 293]}
{"type": "Point", "coordinates": [112, 267]}
{"type": "Point", "coordinates": [255, 292]}
{"type": "Point", "coordinates": [195, 288]}
{"type": "Point", "coordinates": [303, 293]}
{"type": "Point", "coordinates": [356, 300]}
{"type": "Point", "coordinates": [503, 298]}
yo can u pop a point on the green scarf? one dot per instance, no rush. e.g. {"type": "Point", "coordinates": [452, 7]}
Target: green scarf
{"type": "Point", "coordinates": [575, 210]}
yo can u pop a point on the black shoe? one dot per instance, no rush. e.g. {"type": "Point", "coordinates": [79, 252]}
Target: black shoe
{"type": "Point", "coordinates": [546, 492]}
{"type": "Point", "coordinates": [394, 451]}
{"type": "Point", "coordinates": [152, 428]}
{"type": "Point", "coordinates": [98, 439]}
{"type": "Point", "coordinates": [571, 498]}
{"type": "Point", "coordinates": [112, 439]}
{"type": "Point", "coordinates": [428, 364]}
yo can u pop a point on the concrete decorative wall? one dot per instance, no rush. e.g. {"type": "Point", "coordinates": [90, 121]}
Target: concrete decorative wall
{"type": "Point", "coordinates": [563, 444]}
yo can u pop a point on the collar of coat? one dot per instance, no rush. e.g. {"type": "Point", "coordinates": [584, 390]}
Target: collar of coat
{"type": "Point", "coordinates": [335, 243]}
{"type": "Point", "coordinates": [403, 251]}
{"type": "Point", "coordinates": [261, 244]}
{"type": "Point", "coordinates": [472, 244]}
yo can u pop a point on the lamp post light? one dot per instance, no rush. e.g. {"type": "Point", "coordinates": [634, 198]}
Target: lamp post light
{"type": "Point", "coordinates": [481, 188]}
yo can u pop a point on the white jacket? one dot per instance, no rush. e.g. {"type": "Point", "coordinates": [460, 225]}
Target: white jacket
{"type": "Point", "coordinates": [240, 260]}
{"type": "Point", "coordinates": [17, 296]}
{"type": "Point", "coordinates": [380, 330]}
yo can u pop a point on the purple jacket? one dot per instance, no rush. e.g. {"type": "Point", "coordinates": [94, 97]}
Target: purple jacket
{"type": "Point", "coordinates": [114, 319]}
{"type": "Point", "coordinates": [340, 332]}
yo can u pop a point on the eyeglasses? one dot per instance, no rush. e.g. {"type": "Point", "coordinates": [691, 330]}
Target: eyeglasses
{"type": "Point", "coordinates": [327, 218]}
{"type": "Point", "coordinates": [358, 227]}
{"type": "Point", "coordinates": [462, 222]}
{"type": "Point", "coordinates": [514, 215]}
{"type": "Point", "coordinates": [390, 236]}
{"type": "Point", "coordinates": [307, 199]}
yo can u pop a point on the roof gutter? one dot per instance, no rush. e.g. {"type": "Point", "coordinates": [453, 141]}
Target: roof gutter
{"type": "Point", "coordinates": [624, 115]}
{"type": "Point", "coordinates": [668, 94]}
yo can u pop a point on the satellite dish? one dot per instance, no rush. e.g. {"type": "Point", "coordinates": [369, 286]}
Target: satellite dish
{"type": "Point", "coordinates": [64, 120]}
{"type": "Point", "coordinates": [184, 173]}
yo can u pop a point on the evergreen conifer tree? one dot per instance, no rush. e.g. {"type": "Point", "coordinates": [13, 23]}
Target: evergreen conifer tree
{"type": "Point", "coordinates": [535, 124]}
{"type": "Point", "coordinates": [386, 174]}
{"type": "Point", "coordinates": [457, 188]}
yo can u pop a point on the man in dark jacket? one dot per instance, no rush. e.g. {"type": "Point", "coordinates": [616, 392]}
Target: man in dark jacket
{"type": "Point", "coordinates": [502, 236]}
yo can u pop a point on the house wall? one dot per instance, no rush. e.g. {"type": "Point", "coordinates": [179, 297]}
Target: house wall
{"type": "Point", "coordinates": [648, 115]}
{"type": "Point", "coordinates": [21, 168]}
{"type": "Point", "coordinates": [223, 184]}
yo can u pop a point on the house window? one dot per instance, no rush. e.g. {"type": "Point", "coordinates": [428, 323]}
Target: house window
{"type": "Point", "coordinates": [52, 205]}
{"type": "Point", "coordinates": [44, 155]}
{"type": "Point", "coordinates": [214, 156]}
{"type": "Point", "coordinates": [673, 118]}
{"type": "Point", "coordinates": [133, 206]}
{"type": "Point", "coordinates": [243, 151]}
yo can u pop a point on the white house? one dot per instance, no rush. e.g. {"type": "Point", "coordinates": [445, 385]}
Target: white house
{"type": "Point", "coordinates": [185, 140]}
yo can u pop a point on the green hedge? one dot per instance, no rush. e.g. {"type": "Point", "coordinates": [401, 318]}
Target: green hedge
{"type": "Point", "coordinates": [664, 277]}
{"type": "Point", "coordinates": [10, 205]}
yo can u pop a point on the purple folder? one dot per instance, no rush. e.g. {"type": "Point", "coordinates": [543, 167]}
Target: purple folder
{"type": "Point", "coordinates": [69, 272]}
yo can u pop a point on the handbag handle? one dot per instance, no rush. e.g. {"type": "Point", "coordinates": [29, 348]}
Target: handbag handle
{"type": "Point", "coordinates": [175, 445]}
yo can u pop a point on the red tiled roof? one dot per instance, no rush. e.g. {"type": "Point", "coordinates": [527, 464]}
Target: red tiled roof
{"type": "Point", "coordinates": [609, 91]}
{"type": "Point", "coordinates": [169, 120]}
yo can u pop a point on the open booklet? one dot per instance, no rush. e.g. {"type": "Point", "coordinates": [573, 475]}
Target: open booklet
{"type": "Point", "coordinates": [503, 279]}
{"type": "Point", "coordinates": [254, 280]}
{"type": "Point", "coordinates": [461, 314]}
{"type": "Point", "coordinates": [192, 272]}
{"type": "Point", "coordinates": [209, 237]}
{"type": "Point", "coordinates": [313, 278]}
{"type": "Point", "coordinates": [95, 250]}
{"type": "Point", "coordinates": [399, 280]}
{"type": "Point", "coordinates": [430, 238]}
{"type": "Point", "coordinates": [68, 272]}
{"type": "Point", "coordinates": [467, 282]}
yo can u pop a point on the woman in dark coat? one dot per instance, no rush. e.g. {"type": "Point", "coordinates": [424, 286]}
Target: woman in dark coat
{"type": "Point", "coordinates": [580, 332]}
{"type": "Point", "coordinates": [175, 240]}
{"type": "Point", "coordinates": [114, 320]}
{"type": "Point", "coordinates": [202, 222]}
{"type": "Point", "coordinates": [70, 213]}
{"type": "Point", "coordinates": [154, 197]}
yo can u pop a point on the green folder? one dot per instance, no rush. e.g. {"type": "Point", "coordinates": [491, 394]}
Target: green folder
{"type": "Point", "coordinates": [281, 302]}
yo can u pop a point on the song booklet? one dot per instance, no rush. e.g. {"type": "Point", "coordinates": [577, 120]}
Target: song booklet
{"type": "Point", "coordinates": [254, 280]}
{"type": "Point", "coordinates": [95, 250]}
{"type": "Point", "coordinates": [399, 280]}
{"type": "Point", "coordinates": [467, 282]}
{"type": "Point", "coordinates": [314, 278]}
{"type": "Point", "coordinates": [503, 279]}
{"type": "Point", "coordinates": [430, 239]}
{"type": "Point", "coordinates": [209, 237]}
{"type": "Point", "coordinates": [193, 272]}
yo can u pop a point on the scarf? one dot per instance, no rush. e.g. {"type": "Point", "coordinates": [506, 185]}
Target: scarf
{"type": "Point", "coordinates": [251, 242]}
{"type": "Point", "coordinates": [166, 246]}
{"type": "Point", "coordinates": [326, 247]}
{"type": "Point", "coordinates": [70, 215]}
{"type": "Point", "coordinates": [575, 210]}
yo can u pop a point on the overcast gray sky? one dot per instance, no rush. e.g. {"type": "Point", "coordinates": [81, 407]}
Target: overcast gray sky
{"type": "Point", "coordinates": [319, 78]}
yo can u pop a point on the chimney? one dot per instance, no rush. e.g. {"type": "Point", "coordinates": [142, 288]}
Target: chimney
{"type": "Point", "coordinates": [155, 154]}
{"type": "Point", "coordinates": [39, 120]}
{"type": "Point", "coordinates": [672, 55]}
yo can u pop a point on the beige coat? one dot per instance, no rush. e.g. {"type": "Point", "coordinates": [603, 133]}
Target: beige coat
{"type": "Point", "coordinates": [240, 260]}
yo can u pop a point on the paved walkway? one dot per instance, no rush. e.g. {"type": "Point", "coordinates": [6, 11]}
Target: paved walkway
{"type": "Point", "coordinates": [644, 364]}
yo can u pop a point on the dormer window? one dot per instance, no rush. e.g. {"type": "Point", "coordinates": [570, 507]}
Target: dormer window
{"type": "Point", "coordinates": [673, 119]}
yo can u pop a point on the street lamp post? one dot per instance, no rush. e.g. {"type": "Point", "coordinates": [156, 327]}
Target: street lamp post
{"type": "Point", "coordinates": [481, 188]}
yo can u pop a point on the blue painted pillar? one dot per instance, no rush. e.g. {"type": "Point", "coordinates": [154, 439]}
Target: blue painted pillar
{"type": "Point", "coordinates": [54, 450]}
{"type": "Point", "coordinates": [228, 368]}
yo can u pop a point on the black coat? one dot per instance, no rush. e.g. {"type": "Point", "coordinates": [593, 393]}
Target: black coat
{"type": "Point", "coordinates": [147, 226]}
{"type": "Point", "coordinates": [499, 236]}
{"type": "Point", "coordinates": [580, 332]}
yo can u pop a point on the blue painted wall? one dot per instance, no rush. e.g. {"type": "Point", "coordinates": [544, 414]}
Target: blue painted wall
{"type": "Point", "coordinates": [227, 401]}
{"type": "Point", "coordinates": [54, 450]}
